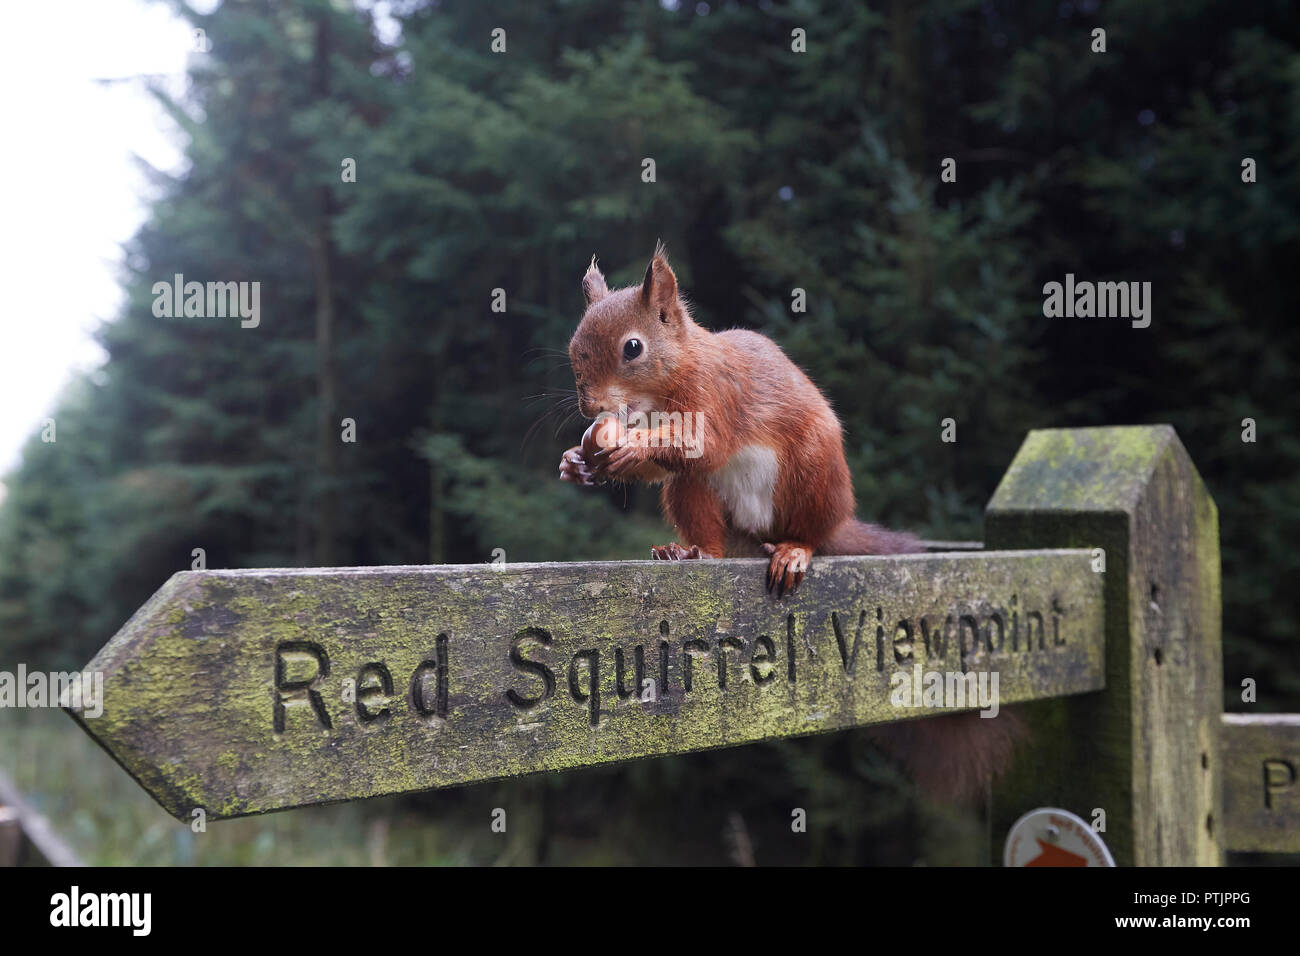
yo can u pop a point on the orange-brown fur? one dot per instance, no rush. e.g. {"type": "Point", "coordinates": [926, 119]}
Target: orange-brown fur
{"type": "Point", "coordinates": [746, 392]}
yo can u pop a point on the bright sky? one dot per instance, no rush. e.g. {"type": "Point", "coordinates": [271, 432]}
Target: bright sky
{"type": "Point", "coordinates": [76, 119]}
{"type": "Point", "coordinates": [72, 190]}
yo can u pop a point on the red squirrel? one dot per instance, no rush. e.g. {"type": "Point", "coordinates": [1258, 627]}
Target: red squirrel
{"type": "Point", "coordinates": [766, 470]}
{"type": "Point", "coordinates": [751, 461]}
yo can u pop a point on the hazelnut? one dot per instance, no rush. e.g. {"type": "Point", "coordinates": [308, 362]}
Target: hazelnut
{"type": "Point", "coordinates": [600, 436]}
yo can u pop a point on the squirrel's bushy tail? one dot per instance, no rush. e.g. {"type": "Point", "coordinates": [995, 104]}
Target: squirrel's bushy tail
{"type": "Point", "coordinates": [860, 537]}
{"type": "Point", "coordinates": [954, 757]}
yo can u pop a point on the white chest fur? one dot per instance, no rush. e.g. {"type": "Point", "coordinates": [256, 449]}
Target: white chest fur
{"type": "Point", "coordinates": [745, 485]}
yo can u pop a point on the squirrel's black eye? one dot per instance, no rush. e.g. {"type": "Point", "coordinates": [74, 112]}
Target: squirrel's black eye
{"type": "Point", "coordinates": [632, 348]}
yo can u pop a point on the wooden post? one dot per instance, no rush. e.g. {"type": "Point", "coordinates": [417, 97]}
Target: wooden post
{"type": "Point", "coordinates": [1145, 751]}
{"type": "Point", "coordinates": [11, 836]}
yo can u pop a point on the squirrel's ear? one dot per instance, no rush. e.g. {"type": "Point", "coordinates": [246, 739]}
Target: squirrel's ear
{"type": "Point", "coordinates": [659, 287]}
{"type": "Point", "coordinates": [593, 284]}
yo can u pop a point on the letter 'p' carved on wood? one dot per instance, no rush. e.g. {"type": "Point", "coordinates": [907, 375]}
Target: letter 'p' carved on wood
{"type": "Point", "coordinates": [1261, 782]}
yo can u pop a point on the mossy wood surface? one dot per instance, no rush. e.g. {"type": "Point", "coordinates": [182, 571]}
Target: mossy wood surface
{"type": "Point", "coordinates": [1146, 751]}
{"type": "Point", "coordinates": [248, 691]}
{"type": "Point", "coordinates": [1261, 782]}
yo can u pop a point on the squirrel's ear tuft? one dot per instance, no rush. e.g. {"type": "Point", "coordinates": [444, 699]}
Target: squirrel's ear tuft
{"type": "Point", "coordinates": [593, 284]}
{"type": "Point", "coordinates": [659, 287]}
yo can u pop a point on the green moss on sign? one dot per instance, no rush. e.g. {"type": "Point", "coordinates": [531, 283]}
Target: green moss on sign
{"type": "Point", "coordinates": [248, 691]}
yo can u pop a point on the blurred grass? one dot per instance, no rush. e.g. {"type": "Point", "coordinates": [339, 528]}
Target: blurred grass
{"type": "Point", "coordinates": [576, 818]}
{"type": "Point", "coordinates": [109, 820]}
{"type": "Point", "coordinates": [682, 810]}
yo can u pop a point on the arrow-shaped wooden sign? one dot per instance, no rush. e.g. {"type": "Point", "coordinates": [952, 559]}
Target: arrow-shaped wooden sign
{"type": "Point", "coordinates": [241, 692]}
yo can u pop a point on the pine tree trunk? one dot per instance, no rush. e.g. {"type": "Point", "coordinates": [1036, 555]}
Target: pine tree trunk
{"type": "Point", "coordinates": [327, 435]}
{"type": "Point", "coordinates": [437, 518]}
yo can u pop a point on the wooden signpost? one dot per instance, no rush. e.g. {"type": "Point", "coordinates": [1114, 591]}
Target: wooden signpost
{"type": "Point", "coordinates": [240, 692]}
{"type": "Point", "coordinates": [1146, 752]}
{"type": "Point", "coordinates": [247, 691]}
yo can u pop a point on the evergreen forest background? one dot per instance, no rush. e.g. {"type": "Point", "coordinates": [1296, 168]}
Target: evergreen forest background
{"type": "Point", "coordinates": [775, 170]}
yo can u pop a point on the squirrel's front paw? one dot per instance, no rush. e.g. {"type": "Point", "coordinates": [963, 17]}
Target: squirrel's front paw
{"type": "Point", "coordinates": [789, 564]}
{"type": "Point", "coordinates": [676, 552]}
{"type": "Point", "coordinates": [573, 467]}
{"type": "Point", "coordinates": [623, 460]}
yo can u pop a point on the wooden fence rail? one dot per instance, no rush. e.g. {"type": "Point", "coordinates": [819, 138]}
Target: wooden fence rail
{"type": "Point", "coordinates": [26, 837]}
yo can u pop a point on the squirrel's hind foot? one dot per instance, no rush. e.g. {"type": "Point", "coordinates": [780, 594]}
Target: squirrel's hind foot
{"type": "Point", "coordinates": [676, 552]}
{"type": "Point", "coordinates": [789, 564]}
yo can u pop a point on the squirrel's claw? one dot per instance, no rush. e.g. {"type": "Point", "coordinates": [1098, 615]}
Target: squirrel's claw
{"type": "Point", "coordinates": [676, 552]}
{"type": "Point", "coordinates": [787, 567]}
{"type": "Point", "coordinates": [622, 459]}
{"type": "Point", "coordinates": [573, 467]}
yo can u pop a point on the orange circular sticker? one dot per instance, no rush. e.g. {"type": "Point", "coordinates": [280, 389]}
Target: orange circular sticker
{"type": "Point", "coordinates": [1052, 837]}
